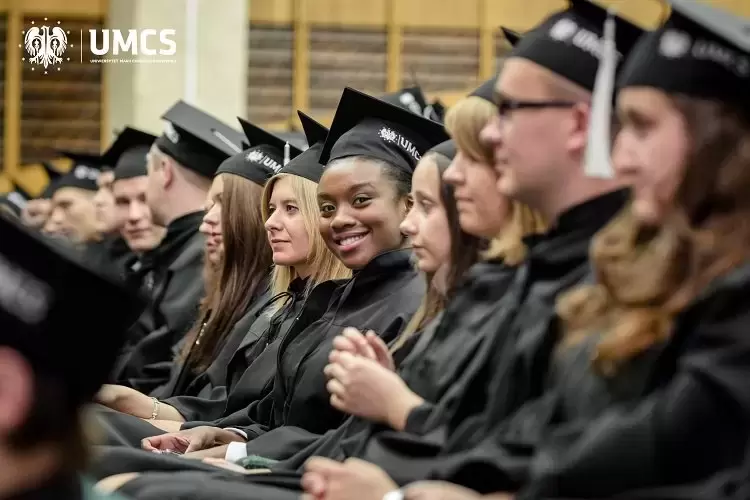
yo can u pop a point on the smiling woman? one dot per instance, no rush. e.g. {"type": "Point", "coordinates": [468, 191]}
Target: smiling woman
{"type": "Point", "coordinates": [362, 203]}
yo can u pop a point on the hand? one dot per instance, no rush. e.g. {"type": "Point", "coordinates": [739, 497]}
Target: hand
{"type": "Point", "coordinates": [190, 440]}
{"type": "Point", "coordinates": [438, 490]}
{"type": "Point", "coordinates": [364, 388]}
{"type": "Point", "coordinates": [326, 479]}
{"type": "Point", "coordinates": [215, 452]}
{"type": "Point", "coordinates": [368, 346]}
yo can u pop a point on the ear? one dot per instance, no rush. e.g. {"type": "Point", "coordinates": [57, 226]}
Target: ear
{"type": "Point", "coordinates": [168, 173]}
{"type": "Point", "coordinates": [16, 390]}
{"type": "Point", "coordinates": [578, 132]}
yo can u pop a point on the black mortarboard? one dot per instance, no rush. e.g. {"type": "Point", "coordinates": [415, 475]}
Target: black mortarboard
{"type": "Point", "coordinates": [127, 154]}
{"type": "Point", "coordinates": [53, 174]}
{"type": "Point", "coordinates": [701, 51]}
{"type": "Point", "coordinates": [513, 37]}
{"type": "Point", "coordinates": [43, 321]}
{"type": "Point", "coordinates": [257, 136]}
{"type": "Point", "coordinates": [446, 148]}
{"type": "Point", "coordinates": [15, 200]}
{"type": "Point", "coordinates": [197, 140]}
{"type": "Point", "coordinates": [411, 98]}
{"type": "Point", "coordinates": [435, 111]}
{"type": "Point", "coordinates": [84, 172]}
{"type": "Point", "coordinates": [306, 164]}
{"type": "Point", "coordinates": [486, 90]}
{"type": "Point", "coordinates": [366, 126]}
{"type": "Point", "coordinates": [568, 42]}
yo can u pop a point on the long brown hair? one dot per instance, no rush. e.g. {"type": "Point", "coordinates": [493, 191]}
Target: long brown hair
{"type": "Point", "coordinates": [464, 253]}
{"type": "Point", "coordinates": [242, 272]}
{"type": "Point", "coordinates": [646, 276]}
{"type": "Point", "coordinates": [464, 123]}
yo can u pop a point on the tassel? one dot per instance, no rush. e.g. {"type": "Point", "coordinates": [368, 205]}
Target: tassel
{"type": "Point", "coordinates": [598, 160]}
{"type": "Point", "coordinates": [286, 153]}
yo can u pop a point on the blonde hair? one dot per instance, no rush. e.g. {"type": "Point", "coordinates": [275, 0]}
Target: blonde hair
{"type": "Point", "coordinates": [464, 123]}
{"type": "Point", "coordinates": [324, 265]}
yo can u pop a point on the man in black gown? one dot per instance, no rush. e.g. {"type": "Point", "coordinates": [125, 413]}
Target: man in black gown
{"type": "Point", "coordinates": [180, 166]}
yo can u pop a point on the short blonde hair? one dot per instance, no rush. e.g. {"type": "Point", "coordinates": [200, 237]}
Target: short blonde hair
{"type": "Point", "coordinates": [464, 122]}
{"type": "Point", "coordinates": [324, 265]}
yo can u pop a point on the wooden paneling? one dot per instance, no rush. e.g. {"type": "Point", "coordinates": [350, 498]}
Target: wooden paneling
{"type": "Point", "coordinates": [12, 93]}
{"type": "Point", "coordinates": [62, 108]}
{"type": "Point", "coordinates": [522, 15]}
{"type": "Point", "coordinates": [269, 94]}
{"type": "Point", "coordinates": [439, 13]}
{"type": "Point", "coordinates": [3, 48]}
{"type": "Point", "coordinates": [272, 12]}
{"type": "Point", "coordinates": [440, 59]}
{"type": "Point", "coordinates": [336, 13]}
{"type": "Point", "coordinates": [76, 9]}
{"type": "Point", "coordinates": [341, 58]}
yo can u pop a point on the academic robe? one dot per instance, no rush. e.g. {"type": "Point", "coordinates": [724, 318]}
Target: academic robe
{"type": "Point", "coordinates": [556, 261]}
{"type": "Point", "coordinates": [172, 274]}
{"type": "Point", "coordinates": [438, 358]}
{"type": "Point", "coordinates": [111, 254]}
{"type": "Point", "coordinates": [510, 370]}
{"type": "Point", "coordinates": [678, 412]}
{"type": "Point", "coordinates": [255, 337]}
{"type": "Point", "coordinates": [250, 375]}
{"type": "Point", "coordinates": [382, 296]}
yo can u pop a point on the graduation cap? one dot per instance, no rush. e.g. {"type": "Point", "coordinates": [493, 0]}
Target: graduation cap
{"type": "Point", "coordinates": [307, 164]}
{"type": "Point", "coordinates": [701, 51]}
{"type": "Point", "coordinates": [263, 158]}
{"type": "Point", "coordinates": [127, 154]}
{"type": "Point", "coordinates": [366, 126]}
{"type": "Point", "coordinates": [513, 37]}
{"type": "Point", "coordinates": [446, 148]}
{"type": "Point", "coordinates": [42, 320]}
{"type": "Point", "coordinates": [411, 98]}
{"type": "Point", "coordinates": [83, 174]}
{"type": "Point", "coordinates": [197, 140]}
{"type": "Point", "coordinates": [568, 42]}
{"type": "Point", "coordinates": [436, 111]}
{"type": "Point", "coordinates": [486, 90]}
{"type": "Point", "coordinates": [15, 200]}
{"type": "Point", "coordinates": [53, 174]}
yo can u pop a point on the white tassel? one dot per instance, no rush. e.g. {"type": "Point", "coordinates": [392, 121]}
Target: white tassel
{"type": "Point", "coordinates": [286, 153]}
{"type": "Point", "coordinates": [598, 160]}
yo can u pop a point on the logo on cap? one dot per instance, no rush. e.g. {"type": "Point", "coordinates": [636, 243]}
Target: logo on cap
{"type": "Point", "coordinates": [394, 137]}
{"type": "Point", "coordinates": [83, 172]}
{"type": "Point", "coordinates": [675, 44]}
{"type": "Point", "coordinates": [563, 29]}
{"type": "Point", "coordinates": [171, 133]}
{"type": "Point", "coordinates": [262, 159]}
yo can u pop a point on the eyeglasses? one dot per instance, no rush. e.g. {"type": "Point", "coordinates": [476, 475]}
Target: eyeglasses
{"type": "Point", "coordinates": [505, 105]}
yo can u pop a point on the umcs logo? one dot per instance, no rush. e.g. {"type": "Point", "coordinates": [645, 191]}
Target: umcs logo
{"type": "Point", "coordinates": [145, 42]}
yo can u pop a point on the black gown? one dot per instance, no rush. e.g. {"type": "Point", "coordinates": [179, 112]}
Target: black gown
{"type": "Point", "coordinates": [245, 366]}
{"type": "Point", "coordinates": [383, 296]}
{"type": "Point", "coordinates": [111, 255]}
{"type": "Point", "coordinates": [677, 413]}
{"type": "Point", "coordinates": [172, 274]}
{"type": "Point", "coordinates": [556, 261]}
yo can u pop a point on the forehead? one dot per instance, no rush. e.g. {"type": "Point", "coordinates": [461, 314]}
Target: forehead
{"type": "Point", "coordinates": [521, 78]}
{"type": "Point", "coordinates": [348, 174]}
{"type": "Point", "coordinates": [68, 194]}
{"type": "Point", "coordinates": [131, 186]}
{"type": "Point", "coordinates": [426, 177]}
{"type": "Point", "coordinates": [283, 189]}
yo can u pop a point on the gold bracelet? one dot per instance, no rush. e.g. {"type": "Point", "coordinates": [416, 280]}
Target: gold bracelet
{"type": "Point", "coordinates": [155, 411]}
